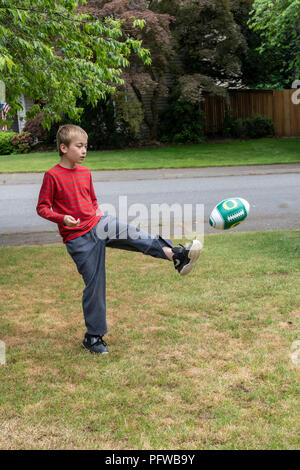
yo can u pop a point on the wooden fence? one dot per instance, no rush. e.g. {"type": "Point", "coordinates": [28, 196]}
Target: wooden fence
{"type": "Point", "coordinates": [275, 104]}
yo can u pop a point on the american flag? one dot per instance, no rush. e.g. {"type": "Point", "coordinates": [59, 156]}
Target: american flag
{"type": "Point", "coordinates": [4, 107]}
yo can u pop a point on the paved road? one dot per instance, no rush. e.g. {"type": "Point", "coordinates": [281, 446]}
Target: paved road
{"type": "Point", "coordinates": [272, 190]}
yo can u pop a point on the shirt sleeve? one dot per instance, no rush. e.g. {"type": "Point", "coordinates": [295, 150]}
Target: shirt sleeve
{"type": "Point", "coordinates": [45, 201]}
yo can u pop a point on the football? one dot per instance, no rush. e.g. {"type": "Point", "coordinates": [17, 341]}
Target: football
{"type": "Point", "coordinates": [229, 213]}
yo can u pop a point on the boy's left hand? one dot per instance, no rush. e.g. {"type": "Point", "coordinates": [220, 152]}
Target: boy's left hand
{"type": "Point", "coordinates": [70, 221]}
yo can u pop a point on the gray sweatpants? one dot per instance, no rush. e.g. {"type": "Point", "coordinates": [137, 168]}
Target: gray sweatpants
{"type": "Point", "coordinates": [88, 252]}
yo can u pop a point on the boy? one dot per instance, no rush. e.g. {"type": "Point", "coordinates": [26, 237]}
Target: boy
{"type": "Point", "coordinates": [67, 197]}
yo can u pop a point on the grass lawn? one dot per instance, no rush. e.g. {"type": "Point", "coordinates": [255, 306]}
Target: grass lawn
{"type": "Point", "coordinates": [201, 362]}
{"type": "Point", "coordinates": [251, 152]}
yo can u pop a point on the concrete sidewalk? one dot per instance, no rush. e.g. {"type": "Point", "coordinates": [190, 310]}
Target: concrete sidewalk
{"type": "Point", "coordinates": [163, 173]}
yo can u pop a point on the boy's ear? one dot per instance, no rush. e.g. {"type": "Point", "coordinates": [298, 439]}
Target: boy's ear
{"type": "Point", "coordinates": [63, 148]}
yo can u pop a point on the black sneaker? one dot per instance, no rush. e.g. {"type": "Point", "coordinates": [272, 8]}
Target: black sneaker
{"type": "Point", "coordinates": [185, 258]}
{"type": "Point", "coordinates": [94, 344]}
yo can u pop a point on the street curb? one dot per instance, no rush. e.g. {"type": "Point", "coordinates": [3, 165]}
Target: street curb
{"type": "Point", "coordinates": [161, 173]}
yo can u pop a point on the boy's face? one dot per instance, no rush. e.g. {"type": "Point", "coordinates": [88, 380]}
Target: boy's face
{"type": "Point", "coordinates": [76, 151]}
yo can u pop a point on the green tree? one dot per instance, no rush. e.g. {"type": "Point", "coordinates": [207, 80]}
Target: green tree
{"type": "Point", "coordinates": [259, 70]}
{"type": "Point", "coordinates": [278, 23]}
{"type": "Point", "coordinates": [54, 53]}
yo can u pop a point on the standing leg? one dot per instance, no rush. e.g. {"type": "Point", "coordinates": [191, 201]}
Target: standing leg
{"type": "Point", "coordinates": [88, 252]}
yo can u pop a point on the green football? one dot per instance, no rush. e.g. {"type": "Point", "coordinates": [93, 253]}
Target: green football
{"type": "Point", "coordinates": [229, 213]}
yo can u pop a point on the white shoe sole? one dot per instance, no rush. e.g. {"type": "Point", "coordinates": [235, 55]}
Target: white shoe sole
{"type": "Point", "coordinates": [195, 252]}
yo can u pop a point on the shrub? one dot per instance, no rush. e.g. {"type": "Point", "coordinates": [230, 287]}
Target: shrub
{"type": "Point", "coordinates": [253, 127]}
{"type": "Point", "coordinates": [6, 147]}
{"type": "Point", "coordinates": [181, 122]}
{"type": "Point", "coordinates": [238, 128]}
{"type": "Point", "coordinates": [227, 123]}
{"type": "Point", "coordinates": [22, 142]}
{"type": "Point", "coordinates": [259, 126]}
{"type": "Point", "coordinates": [105, 128]}
{"type": "Point", "coordinates": [34, 126]}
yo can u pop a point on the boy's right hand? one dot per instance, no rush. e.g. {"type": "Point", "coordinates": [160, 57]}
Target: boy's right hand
{"type": "Point", "coordinates": [70, 221]}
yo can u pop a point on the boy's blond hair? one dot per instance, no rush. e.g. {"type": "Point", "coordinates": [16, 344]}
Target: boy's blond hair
{"type": "Point", "coordinates": [66, 134]}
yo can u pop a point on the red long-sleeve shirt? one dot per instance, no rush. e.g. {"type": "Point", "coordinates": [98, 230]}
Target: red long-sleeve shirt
{"type": "Point", "coordinates": [69, 192]}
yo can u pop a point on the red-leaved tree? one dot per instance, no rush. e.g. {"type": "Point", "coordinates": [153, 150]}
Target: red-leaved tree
{"type": "Point", "coordinates": [144, 85]}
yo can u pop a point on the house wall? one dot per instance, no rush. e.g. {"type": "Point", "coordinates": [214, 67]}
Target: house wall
{"type": "Point", "coordinates": [20, 118]}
